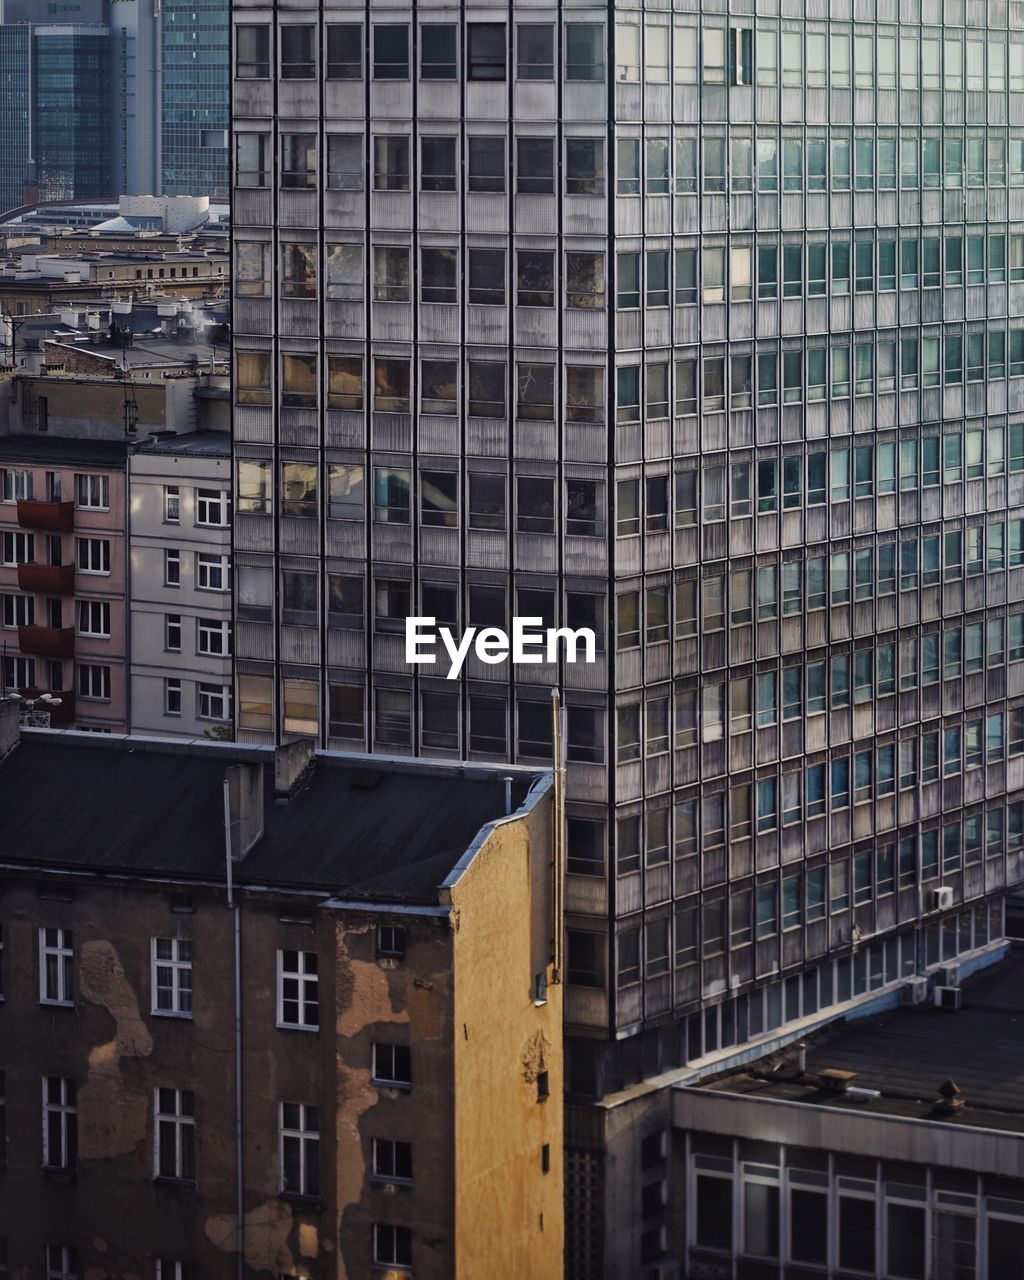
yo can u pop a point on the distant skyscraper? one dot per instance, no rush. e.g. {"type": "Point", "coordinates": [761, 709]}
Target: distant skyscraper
{"type": "Point", "coordinates": [72, 104]}
{"type": "Point", "coordinates": [194, 97]}
{"type": "Point", "coordinates": [15, 112]}
{"type": "Point", "coordinates": [136, 100]}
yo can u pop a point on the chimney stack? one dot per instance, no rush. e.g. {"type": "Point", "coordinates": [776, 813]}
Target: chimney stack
{"type": "Point", "coordinates": [244, 808]}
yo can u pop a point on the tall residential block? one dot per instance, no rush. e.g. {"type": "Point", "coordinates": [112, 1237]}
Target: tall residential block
{"type": "Point", "coordinates": [704, 330]}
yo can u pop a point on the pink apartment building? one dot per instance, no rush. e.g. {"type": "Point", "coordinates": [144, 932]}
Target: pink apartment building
{"type": "Point", "coordinates": [63, 567]}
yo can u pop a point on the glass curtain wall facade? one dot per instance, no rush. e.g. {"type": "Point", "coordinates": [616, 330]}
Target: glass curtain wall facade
{"type": "Point", "coordinates": [15, 105]}
{"type": "Point", "coordinates": [702, 329]}
{"type": "Point", "coordinates": [73, 113]}
{"type": "Point", "coordinates": [194, 69]}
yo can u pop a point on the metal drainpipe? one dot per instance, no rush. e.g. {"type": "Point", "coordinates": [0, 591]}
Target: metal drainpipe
{"type": "Point", "coordinates": [239, 1165]}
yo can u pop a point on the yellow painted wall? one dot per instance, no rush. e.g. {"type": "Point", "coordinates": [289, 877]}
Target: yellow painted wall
{"type": "Point", "coordinates": [508, 1214]}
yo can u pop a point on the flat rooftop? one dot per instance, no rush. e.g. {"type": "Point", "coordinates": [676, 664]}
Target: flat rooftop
{"type": "Point", "coordinates": [205, 444]}
{"type": "Point", "coordinates": [907, 1055]}
{"type": "Point", "coordinates": [359, 828]}
{"type": "Point", "coordinates": [49, 450]}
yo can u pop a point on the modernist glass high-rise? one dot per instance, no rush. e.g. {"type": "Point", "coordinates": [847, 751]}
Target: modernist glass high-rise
{"type": "Point", "coordinates": [194, 97]}
{"type": "Point", "coordinates": [705, 329]}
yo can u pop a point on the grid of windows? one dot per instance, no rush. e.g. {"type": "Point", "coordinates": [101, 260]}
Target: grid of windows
{"type": "Point", "coordinates": [746, 399]}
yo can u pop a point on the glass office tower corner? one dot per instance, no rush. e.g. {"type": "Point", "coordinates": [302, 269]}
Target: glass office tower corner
{"type": "Point", "coordinates": [194, 111]}
{"type": "Point", "coordinates": [706, 331]}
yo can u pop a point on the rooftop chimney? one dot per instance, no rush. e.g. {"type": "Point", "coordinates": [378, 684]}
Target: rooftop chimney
{"type": "Point", "coordinates": [950, 1099]}
{"type": "Point", "coordinates": [292, 763]}
{"type": "Point", "coordinates": [836, 1081]}
{"type": "Point", "coordinates": [244, 816]}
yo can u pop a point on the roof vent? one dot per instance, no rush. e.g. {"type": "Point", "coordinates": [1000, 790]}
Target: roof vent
{"type": "Point", "coordinates": [950, 1099]}
{"type": "Point", "coordinates": [836, 1081]}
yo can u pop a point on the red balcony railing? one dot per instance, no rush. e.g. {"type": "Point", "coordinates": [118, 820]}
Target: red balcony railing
{"type": "Point", "coordinates": [47, 579]}
{"type": "Point", "coordinates": [58, 517]}
{"type": "Point", "coordinates": [47, 642]}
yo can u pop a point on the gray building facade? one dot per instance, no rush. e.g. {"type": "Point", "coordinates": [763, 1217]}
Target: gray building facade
{"type": "Point", "coordinates": [180, 585]}
{"type": "Point", "coordinates": [701, 329]}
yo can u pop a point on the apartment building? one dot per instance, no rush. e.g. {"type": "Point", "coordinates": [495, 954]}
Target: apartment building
{"type": "Point", "coordinates": [181, 585]}
{"type": "Point", "coordinates": [706, 331]}
{"type": "Point", "coordinates": [233, 1042]}
{"type": "Point", "coordinates": [63, 588]}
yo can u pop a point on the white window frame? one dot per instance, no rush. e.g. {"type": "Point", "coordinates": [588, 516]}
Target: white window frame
{"type": "Point", "coordinates": [213, 637]}
{"type": "Point", "coordinates": [298, 980]}
{"type": "Point", "coordinates": [58, 945]}
{"type": "Point", "coordinates": [17, 484]}
{"type": "Point", "coordinates": [87, 609]}
{"type": "Point", "coordinates": [89, 552]}
{"type": "Point", "coordinates": [305, 1137]}
{"type": "Point", "coordinates": [213, 573]}
{"type": "Point", "coordinates": [18, 548]}
{"type": "Point", "coordinates": [172, 556]}
{"type": "Point", "coordinates": [212, 503]}
{"type": "Point", "coordinates": [172, 1124]}
{"type": "Point", "coordinates": [88, 675]}
{"type": "Point", "coordinates": [176, 964]}
{"type": "Point", "coordinates": [172, 695]}
{"type": "Point", "coordinates": [206, 701]}
{"type": "Point", "coordinates": [172, 504]}
{"type": "Point", "coordinates": [61, 1262]}
{"type": "Point", "coordinates": [65, 1108]}
{"type": "Point", "coordinates": [18, 611]}
{"type": "Point", "coordinates": [92, 492]}
{"type": "Point", "coordinates": [172, 625]}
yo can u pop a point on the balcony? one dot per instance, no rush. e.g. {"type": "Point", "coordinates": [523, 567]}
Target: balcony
{"type": "Point", "coordinates": [47, 642]}
{"type": "Point", "coordinates": [57, 517]}
{"type": "Point", "coordinates": [47, 579]}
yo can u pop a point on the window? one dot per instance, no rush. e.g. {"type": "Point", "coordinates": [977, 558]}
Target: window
{"type": "Point", "coordinates": [437, 163]}
{"type": "Point", "coordinates": [60, 1123]}
{"type": "Point", "coordinates": [300, 1149]}
{"type": "Point", "coordinates": [585, 958]}
{"type": "Point", "coordinates": [535, 51]}
{"type": "Point", "coordinates": [91, 491]}
{"type": "Point", "coordinates": [93, 555]}
{"type": "Point", "coordinates": [485, 50]}
{"type": "Point", "coordinates": [391, 386]}
{"type": "Point", "coordinates": [298, 52]}
{"type": "Point", "coordinates": [298, 161]}
{"type": "Point", "coordinates": [172, 697]}
{"type": "Point", "coordinates": [343, 279]}
{"type": "Point", "coordinates": [391, 941]}
{"type": "Point", "coordinates": [392, 1161]}
{"type": "Point", "coordinates": [298, 490]}
{"type": "Point", "coordinates": [437, 51]}
{"type": "Point", "coordinates": [61, 1262]}
{"type": "Point", "coordinates": [585, 847]}
{"type": "Point", "coordinates": [298, 270]}
{"type": "Point", "coordinates": [175, 1135]}
{"type": "Point", "coordinates": [390, 52]}
{"type": "Point", "coordinates": [18, 548]}
{"type": "Point", "coordinates": [213, 636]}
{"type": "Point", "coordinates": [391, 158]}
{"type": "Point", "coordinates": [172, 975]}
{"type": "Point", "coordinates": [535, 392]}
{"type": "Point", "coordinates": [392, 1065]}
{"type": "Point", "coordinates": [301, 714]}
{"type": "Point", "coordinates": [252, 159]}
{"type": "Point", "coordinates": [214, 702]}
{"type": "Point", "coordinates": [535, 166]}
{"type": "Point", "coordinates": [585, 280]}
{"type": "Point", "coordinates": [298, 381]}
{"type": "Point", "coordinates": [298, 987]}
{"type": "Point", "coordinates": [535, 504]}
{"type": "Point", "coordinates": [486, 163]}
{"type": "Point", "coordinates": [345, 601]}
{"type": "Point", "coordinates": [94, 682]}
{"type": "Point", "coordinates": [344, 386]}
{"type": "Point", "coordinates": [346, 712]}
{"type": "Point", "coordinates": [487, 276]}
{"type": "Point", "coordinates": [535, 278]}
{"type": "Point", "coordinates": [252, 51]}
{"type": "Point", "coordinates": [344, 51]}
{"type": "Point", "coordinates": [584, 167]}
{"type": "Point", "coordinates": [252, 377]}
{"type": "Point", "coordinates": [93, 618]}
{"type": "Point", "coordinates": [584, 51]}
{"type": "Point", "coordinates": [392, 1245]}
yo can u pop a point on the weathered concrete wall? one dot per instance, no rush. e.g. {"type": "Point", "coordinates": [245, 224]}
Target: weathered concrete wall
{"type": "Point", "coordinates": [509, 1213]}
